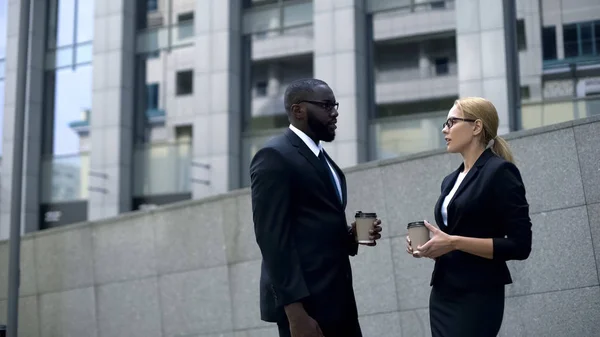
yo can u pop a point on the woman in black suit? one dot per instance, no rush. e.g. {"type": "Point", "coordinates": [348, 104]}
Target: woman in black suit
{"type": "Point", "coordinates": [483, 219]}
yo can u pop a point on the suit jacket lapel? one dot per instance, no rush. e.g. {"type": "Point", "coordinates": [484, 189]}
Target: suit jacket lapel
{"type": "Point", "coordinates": [304, 150]}
{"type": "Point", "coordinates": [438, 206]}
{"type": "Point", "coordinates": [315, 162]}
{"type": "Point", "coordinates": [341, 176]}
{"type": "Point", "coordinates": [466, 181]}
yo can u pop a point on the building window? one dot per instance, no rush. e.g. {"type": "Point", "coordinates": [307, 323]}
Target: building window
{"type": "Point", "coordinates": [151, 5]}
{"type": "Point", "coordinates": [185, 82]}
{"type": "Point", "coordinates": [521, 39]}
{"type": "Point", "coordinates": [525, 94]}
{"type": "Point", "coordinates": [438, 5]}
{"type": "Point", "coordinates": [261, 89]}
{"type": "Point", "coordinates": [152, 96]}
{"type": "Point", "coordinates": [549, 43]}
{"type": "Point", "coordinates": [581, 39]}
{"type": "Point", "coordinates": [186, 25]}
{"type": "Point", "coordinates": [441, 66]}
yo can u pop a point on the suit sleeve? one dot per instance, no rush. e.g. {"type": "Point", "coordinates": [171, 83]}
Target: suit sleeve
{"type": "Point", "coordinates": [513, 208]}
{"type": "Point", "coordinates": [352, 243]}
{"type": "Point", "coordinates": [271, 194]}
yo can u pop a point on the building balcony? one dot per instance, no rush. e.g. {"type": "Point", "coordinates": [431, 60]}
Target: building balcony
{"type": "Point", "coordinates": [400, 85]}
{"type": "Point", "coordinates": [538, 114]}
{"type": "Point", "coordinates": [425, 18]}
{"type": "Point", "coordinates": [589, 65]}
{"type": "Point", "coordinates": [65, 178]}
{"type": "Point", "coordinates": [411, 133]}
{"type": "Point", "coordinates": [162, 169]}
{"type": "Point", "coordinates": [287, 42]}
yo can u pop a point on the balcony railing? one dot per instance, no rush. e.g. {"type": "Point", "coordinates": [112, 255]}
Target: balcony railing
{"type": "Point", "coordinates": [268, 18]}
{"type": "Point", "coordinates": [408, 6]}
{"type": "Point", "coordinates": [152, 40]}
{"type": "Point", "coordinates": [409, 74]}
{"type": "Point", "coordinates": [403, 135]}
{"type": "Point", "coordinates": [160, 169]}
{"type": "Point", "coordinates": [540, 114]}
{"type": "Point", "coordinates": [65, 178]}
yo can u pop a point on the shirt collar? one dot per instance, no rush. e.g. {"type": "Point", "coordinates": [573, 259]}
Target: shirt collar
{"type": "Point", "coordinates": [315, 148]}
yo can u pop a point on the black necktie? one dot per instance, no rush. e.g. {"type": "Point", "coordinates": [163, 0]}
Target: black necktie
{"type": "Point", "coordinates": [330, 174]}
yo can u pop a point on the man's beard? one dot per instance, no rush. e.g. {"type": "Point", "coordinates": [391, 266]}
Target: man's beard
{"type": "Point", "coordinates": [322, 131]}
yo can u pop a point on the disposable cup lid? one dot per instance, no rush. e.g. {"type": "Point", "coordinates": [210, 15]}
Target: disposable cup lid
{"type": "Point", "coordinates": [416, 224]}
{"type": "Point", "coordinates": [360, 214]}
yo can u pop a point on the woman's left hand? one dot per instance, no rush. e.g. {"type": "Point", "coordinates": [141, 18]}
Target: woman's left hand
{"type": "Point", "coordinates": [439, 244]}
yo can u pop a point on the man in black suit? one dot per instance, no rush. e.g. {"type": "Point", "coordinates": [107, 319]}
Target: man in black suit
{"type": "Point", "coordinates": [298, 203]}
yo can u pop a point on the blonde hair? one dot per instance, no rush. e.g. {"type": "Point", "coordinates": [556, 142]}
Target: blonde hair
{"type": "Point", "coordinates": [484, 110]}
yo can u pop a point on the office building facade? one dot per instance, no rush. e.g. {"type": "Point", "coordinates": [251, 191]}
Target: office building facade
{"type": "Point", "coordinates": [133, 104]}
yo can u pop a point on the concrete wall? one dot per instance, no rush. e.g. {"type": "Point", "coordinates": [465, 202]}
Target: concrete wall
{"type": "Point", "coordinates": [192, 269]}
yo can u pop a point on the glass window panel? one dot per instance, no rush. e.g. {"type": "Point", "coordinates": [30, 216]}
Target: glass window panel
{"type": "Point", "coordinates": [152, 40]}
{"type": "Point", "coordinates": [151, 5]}
{"type": "Point", "coordinates": [66, 22]}
{"type": "Point", "coordinates": [84, 53]}
{"type": "Point", "coordinates": [2, 68]}
{"type": "Point", "coordinates": [298, 14]}
{"type": "Point", "coordinates": [72, 97]}
{"type": "Point", "coordinates": [61, 58]}
{"type": "Point", "coordinates": [382, 5]}
{"type": "Point", "coordinates": [261, 20]}
{"type": "Point", "coordinates": [162, 169]}
{"type": "Point", "coordinates": [597, 37]}
{"type": "Point", "coordinates": [85, 20]}
{"type": "Point", "coordinates": [65, 178]}
{"type": "Point", "coordinates": [152, 96]}
{"type": "Point", "coordinates": [549, 43]}
{"type": "Point", "coordinates": [403, 136]}
{"type": "Point", "coordinates": [585, 38]}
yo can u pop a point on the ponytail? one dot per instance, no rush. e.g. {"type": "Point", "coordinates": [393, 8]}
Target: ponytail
{"type": "Point", "coordinates": [501, 149]}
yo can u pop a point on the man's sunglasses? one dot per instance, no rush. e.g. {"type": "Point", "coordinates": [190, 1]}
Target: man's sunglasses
{"type": "Point", "coordinates": [324, 105]}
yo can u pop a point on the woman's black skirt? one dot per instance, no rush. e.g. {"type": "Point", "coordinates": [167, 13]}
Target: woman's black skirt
{"type": "Point", "coordinates": [466, 312]}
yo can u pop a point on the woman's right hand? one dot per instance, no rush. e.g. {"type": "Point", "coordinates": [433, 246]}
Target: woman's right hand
{"type": "Point", "coordinates": [409, 249]}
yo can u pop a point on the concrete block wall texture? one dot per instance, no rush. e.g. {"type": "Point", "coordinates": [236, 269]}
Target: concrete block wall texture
{"type": "Point", "coordinates": [192, 269]}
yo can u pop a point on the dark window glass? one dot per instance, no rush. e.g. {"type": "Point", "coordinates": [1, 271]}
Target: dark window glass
{"type": "Point", "coordinates": [152, 96]}
{"type": "Point", "coordinates": [525, 94]}
{"type": "Point", "coordinates": [189, 16]}
{"type": "Point", "coordinates": [151, 5]}
{"type": "Point", "coordinates": [585, 39]}
{"type": "Point", "coordinates": [570, 41]}
{"type": "Point", "coordinates": [261, 89]}
{"type": "Point", "coordinates": [521, 37]}
{"type": "Point", "coordinates": [549, 43]}
{"type": "Point", "coordinates": [441, 66]}
{"type": "Point", "coordinates": [185, 82]}
{"type": "Point", "coordinates": [597, 37]}
{"type": "Point", "coordinates": [438, 4]}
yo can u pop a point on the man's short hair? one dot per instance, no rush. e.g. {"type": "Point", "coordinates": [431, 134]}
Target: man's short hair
{"type": "Point", "coordinates": [298, 90]}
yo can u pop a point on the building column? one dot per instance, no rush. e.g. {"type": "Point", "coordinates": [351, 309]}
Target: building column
{"type": "Point", "coordinates": [217, 96]}
{"type": "Point", "coordinates": [481, 54]}
{"type": "Point", "coordinates": [33, 124]}
{"type": "Point", "coordinates": [111, 122]}
{"type": "Point", "coordinates": [340, 59]}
